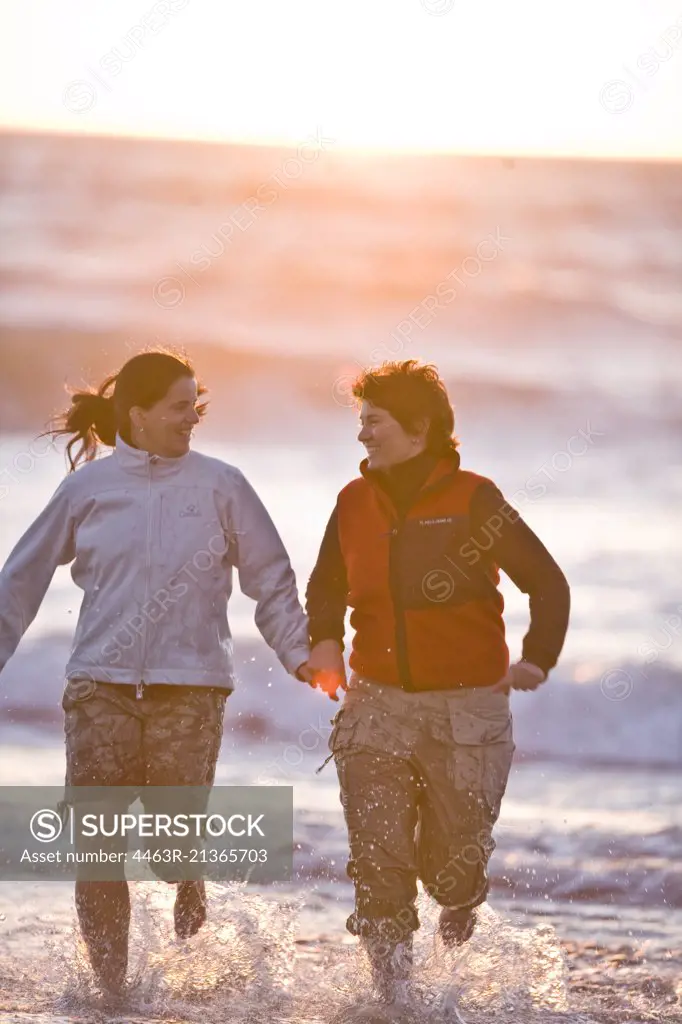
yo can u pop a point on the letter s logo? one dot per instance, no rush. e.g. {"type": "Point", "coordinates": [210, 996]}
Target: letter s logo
{"type": "Point", "coordinates": [46, 826]}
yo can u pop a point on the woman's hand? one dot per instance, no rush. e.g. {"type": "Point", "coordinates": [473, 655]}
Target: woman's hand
{"type": "Point", "coordinates": [327, 668]}
{"type": "Point", "coordinates": [521, 676]}
{"type": "Point", "coordinates": [304, 674]}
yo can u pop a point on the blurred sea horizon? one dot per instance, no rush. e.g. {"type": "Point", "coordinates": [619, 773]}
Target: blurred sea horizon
{"type": "Point", "coordinates": [248, 246]}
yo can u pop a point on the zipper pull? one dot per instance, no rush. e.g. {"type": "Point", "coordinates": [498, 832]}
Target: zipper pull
{"type": "Point", "coordinates": [139, 693]}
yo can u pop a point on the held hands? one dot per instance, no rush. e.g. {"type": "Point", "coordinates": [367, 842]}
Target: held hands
{"type": "Point", "coordinates": [521, 676]}
{"type": "Point", "coordinates": [325, 668]}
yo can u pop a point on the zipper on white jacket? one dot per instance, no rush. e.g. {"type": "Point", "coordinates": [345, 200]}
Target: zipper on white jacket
{"type": "Point", "coordinates": [139, 693]}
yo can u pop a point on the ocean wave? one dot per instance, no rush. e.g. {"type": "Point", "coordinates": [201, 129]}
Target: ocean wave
{"type": "Point", "coordinates": [624, 879]}
{"type": "Point", "coordinates": [622, 718]}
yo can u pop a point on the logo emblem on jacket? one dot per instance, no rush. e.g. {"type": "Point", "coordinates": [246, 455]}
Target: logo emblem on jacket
{"type": "Point", "coordinates": [191, 510]}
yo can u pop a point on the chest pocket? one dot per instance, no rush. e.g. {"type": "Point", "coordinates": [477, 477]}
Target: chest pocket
{"type": "Point", "coordinates": [190, 531]}
{"type": "Point", "coordinates": [436, 564]}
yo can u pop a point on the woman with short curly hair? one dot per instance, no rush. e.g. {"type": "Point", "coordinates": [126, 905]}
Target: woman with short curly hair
{"type": "Point", "coordinates": [423, 743]}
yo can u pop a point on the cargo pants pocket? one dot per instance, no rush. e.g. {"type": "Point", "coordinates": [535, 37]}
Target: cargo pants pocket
{"type": "Point", "coordinates": [362, 726]}
{"type": "Point", "coordinates": [482, 748]}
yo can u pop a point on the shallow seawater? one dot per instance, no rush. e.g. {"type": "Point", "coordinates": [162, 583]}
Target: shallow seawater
{"type": "Point", "coordinates": [578, 928]}
{"type": "Point", "coordinates": [258, 960]}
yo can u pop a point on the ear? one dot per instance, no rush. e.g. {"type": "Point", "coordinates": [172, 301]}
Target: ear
{"type": "Point", "coordinates": [421, 428]}
{"type": "Point", "coordinates": [136, 415]}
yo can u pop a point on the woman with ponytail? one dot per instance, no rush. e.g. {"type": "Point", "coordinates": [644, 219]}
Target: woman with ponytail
{"type": "Point", "coordinates": [153, 531]}
{"type": "Point", "coordinates": [423, 743]}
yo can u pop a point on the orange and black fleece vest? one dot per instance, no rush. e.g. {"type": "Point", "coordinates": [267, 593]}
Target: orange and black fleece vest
{"type": "Point", "coordinates": [426, 610]}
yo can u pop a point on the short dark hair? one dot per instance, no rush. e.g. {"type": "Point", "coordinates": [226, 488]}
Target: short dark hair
{"type": "Point", "coordinates": [97, 415]}
{"type": "Point", "coordinates": [411, 391]}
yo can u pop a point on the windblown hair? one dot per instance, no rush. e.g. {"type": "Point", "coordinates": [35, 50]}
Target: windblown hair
{"type": "Point", "coordinates": [411, 392]}
{"type": "Point", "coordinates": [97, 415]}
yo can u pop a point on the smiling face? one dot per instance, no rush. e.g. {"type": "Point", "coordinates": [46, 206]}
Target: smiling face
{"type": "Point", "coordinates": [385, 440]}
{"type": "Point", "coordinates": [166, 428]}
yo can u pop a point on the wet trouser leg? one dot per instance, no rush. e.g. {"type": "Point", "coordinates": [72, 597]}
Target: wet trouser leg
{"type": "Point", "coordinates": [422, 777]}
{"type": "Point", "coordinates": [103, 742]}
{"type": "Point", "coordinates": [171, 737]}
{"type": "Point", "coordinates": [465, 777]}
{"type": "Point", "coordinates": [103, 910]}
{"type": "Point", "coordinates": [380, 794]}
{"type": "Point", "coordinates": [180, 747]}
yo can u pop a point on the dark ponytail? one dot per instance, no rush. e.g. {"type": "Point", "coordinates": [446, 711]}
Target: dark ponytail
{"type": "Point", "coordinates": [96, 416]}
{"type": "Point", "coordinates": [89, 422]}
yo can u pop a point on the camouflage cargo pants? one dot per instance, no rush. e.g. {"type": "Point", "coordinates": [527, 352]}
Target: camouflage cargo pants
{"type": "Point", "coordinates": [169, 737]}
{"type": "Point", "coordinates": [422, 777]}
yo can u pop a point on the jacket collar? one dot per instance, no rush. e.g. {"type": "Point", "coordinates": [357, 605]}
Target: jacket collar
{"type": "Point", "coordinates": [446, 466]}
{"type": "Point", "coordinates": [442, 473]}
{"type": "Point", "coordinates": [141, 463]}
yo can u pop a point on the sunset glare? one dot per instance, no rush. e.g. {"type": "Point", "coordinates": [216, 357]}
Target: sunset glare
{"type": "Point", "coordinates": [531, 78]}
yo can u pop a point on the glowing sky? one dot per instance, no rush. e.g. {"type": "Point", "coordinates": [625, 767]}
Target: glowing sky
{"type": "Point", "coordinates": [584, 77]}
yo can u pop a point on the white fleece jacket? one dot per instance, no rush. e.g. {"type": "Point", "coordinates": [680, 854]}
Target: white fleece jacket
{"type": "Point", "coordinates": [153, 542]}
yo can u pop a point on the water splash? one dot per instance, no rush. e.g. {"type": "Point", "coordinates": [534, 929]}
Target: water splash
{"type": "Point", "coordinates": [506, 969]}
{"type": "Point", "coordinates": [241, 959]}
{"type": "Point", "coordinates": [246, 966]}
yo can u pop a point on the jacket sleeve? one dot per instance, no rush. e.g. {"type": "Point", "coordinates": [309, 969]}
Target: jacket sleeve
{"type": "Point", "coordinates": [28, 572]}
{"type": "Point", "coordinates": [514, 547]}
{"type": "Point", "coordinates": [266, 576]}
{"type": "Point", "coordinates": [327, 591]}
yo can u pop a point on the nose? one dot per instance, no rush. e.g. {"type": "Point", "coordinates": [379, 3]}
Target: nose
{"type": "Point", "coordinates": [364, 435]}
{"type": "Point", "coordinates": [194, 417]}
